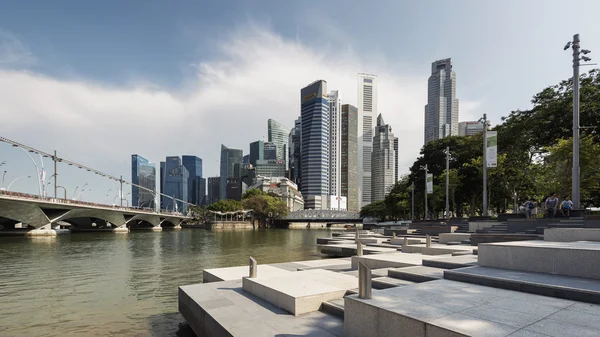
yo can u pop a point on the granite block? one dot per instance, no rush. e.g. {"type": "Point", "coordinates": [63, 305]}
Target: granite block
{"type": "Point", "coordinates": [392, 324]}
{"type": "Point", "coordinates": [360, 319]}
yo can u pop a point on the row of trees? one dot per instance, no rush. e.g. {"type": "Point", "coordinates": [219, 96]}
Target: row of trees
{"type": "Point", "coordinates": [265, 207]}
{"type": "Point", "coordinates": [534, 160]}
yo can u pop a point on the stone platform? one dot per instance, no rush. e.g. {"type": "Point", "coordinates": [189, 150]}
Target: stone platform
{"type": "Point", "coordinates": [391, 260]}
{"type": "Point", "coordinates": [446, 308]}
{"type": "Point", "coordinates": [236, 273]}
{"type": "Point", "coordinates": [452, 262]}
{"type": "Point", "coordinates": [347, 250]}
{"type": "Point", "coordinates": [571, 234]}
{"type": "Point", "coordinates": [577, 259]}
{"type": "Point", "coordinates": [436, 249]}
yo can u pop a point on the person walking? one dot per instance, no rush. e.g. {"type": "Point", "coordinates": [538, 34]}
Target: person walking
{"type": "Point", "coordinates": [530, 208]}
{"type": "Point", "coordinates": [551, 205]}
{"type": "Point", "coordinates": [566, 206]}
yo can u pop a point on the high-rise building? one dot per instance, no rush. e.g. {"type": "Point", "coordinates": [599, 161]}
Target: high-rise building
{"type": "Point", "coordinates": [383, 161]}
{"type": "Point", "coordinates": [229, 157]}
{"type": "Point", "coordinates": [315, 144]}
{"type": "Point", "coordinates": [349, 158]}
{"type": "Point", "coordinates": [162, 181]}
{"type": "Point", "coordinates": [176, 185]}
{"type": "Point", "coordinates": [202, 191]}
{"type": "Point", "coordinates": [194, 166]}
{"type": "Point", "coordinates": [246, 159]}
{"type": "Point", "coordinates": [396, 144]}
{"type": "Point", "coordinates": [143, 173]}
{"type": "Point", "coordinates": [270, 168]}
{"type": "Point", "coordinates": [214, 187]}
{"type": "Point", "coordinates": [441, 111]}
{"type": "Point", "coordinates": [278, 135]}
{"type": "Point", "coordinates": [295, 152]}
{"type": "Point", "coordinates": [270, 151]}
{"type": "Point", "coordinates": [233, 189]}
{"type": "Point", "coordinates": [335, 139]}
{"type": "Point", "coordinates": [367, 110]}
{"type": "Point", "coordinates": [471, 128]}
{"type": "Point", "coordinates": [257, 151]}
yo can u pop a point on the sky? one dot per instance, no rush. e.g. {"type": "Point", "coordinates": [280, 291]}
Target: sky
{"type": "Point", "coordinates": [99, 81]}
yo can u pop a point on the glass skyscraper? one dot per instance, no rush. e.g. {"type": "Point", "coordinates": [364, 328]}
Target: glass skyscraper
{"type": "Point", "coordinates": [196, 189]}
{"type": "Point", "coordinates": [229, 157]}
{"type": "Point", "coordinates": [279, 135]}
{"type": "Point", "coordinates": [349, 157]}
{"type": "Point", "coordinates": [143, 173]}
{"type": "Point", "coordinates": [315, 144]}
{"type": "Point", "coordinates": [441, 111]}
{"type": "Point", "coordinates": [175, 184]}
{"type": "Point", "coordinates": [367, 110]}
{"type": "Point", "coordinates": [383, 161]}
{"type": "Point", "coordinates": [257, 151]}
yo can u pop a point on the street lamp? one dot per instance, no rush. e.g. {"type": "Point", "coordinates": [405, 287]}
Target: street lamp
{"type": "Point", "coordinates": [64, 190]}
{"type": "Point", "coordinates": [3, 175]}
{"type": "Point", "coordinates": [485, 125]}
{"type": "Point", "coordinates": [12, 182]}
{"type": "Point", "coordinates": [424, 168]}
{"type": "Point", "coordinates": [36, 169]}
{"type": "Point", "coordinates": [447, 181]}
{"type": "Point", "coordinates": [575, 180]}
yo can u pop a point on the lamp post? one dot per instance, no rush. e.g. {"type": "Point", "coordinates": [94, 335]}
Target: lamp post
{"type": "Point", "coordinates": [12, 182]}
{"type": "Point", "coordinates": [575, 179]}
{"type": "Point", "coordinates": [3, 175]}
{"type": "Point", "coordinates": [447, 181]}
{"type": "Point", "coordinates": [36, 169]}
{"type": "Point", "coordinates": [424, 168]}
{"type": "Point", "coordinates": [484, 121]}
{"type": "Point", "coordinates": [64, 190]}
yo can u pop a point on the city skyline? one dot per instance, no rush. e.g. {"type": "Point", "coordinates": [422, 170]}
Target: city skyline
{"type": "Point", "coordinates": [128, 92]}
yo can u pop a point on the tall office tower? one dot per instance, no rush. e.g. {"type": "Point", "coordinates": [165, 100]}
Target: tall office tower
{"type": "Point", "coordinates": [194, 166]}
{"type": "Point", "coordinates": [162, 184]}
{"type": "Point", "coordinates": [278, 135]}
{"type": "Point", "coordinates": [229, 157]}
{"type": "Point", "coordinates": [471, 128]}
{"type": "Point", "coordinates": [295, 152]}
{"type": "Point", "coordinates": [383, 161]}
{"type": "Point", "coordinates": [202, 191]}
{"type": "Point", "coordinates": [396, 144]}
{"type": "Point", "coordinates": [257, 151]}
{"type": "Point", "coordinates": [335, 139]}
{"type": "Point", "coordinates": [367, 110]}
{"type": "Point", "coordinates": [143, 173]}
{"type": "Point", "coordinates": [270, 151]}
{"type": "Point", "coordinates": [349, 157]}
{"type": "Point", "coordinates": [214, 187]}
{"type": "Point", "coordinates": [246, 159]}
{"type": "Point", "coordinates": [315, 145]}
{"type": "Point", "coordinates": [441, 111]}
{"type": "Point", "coordinates": [176, 184]}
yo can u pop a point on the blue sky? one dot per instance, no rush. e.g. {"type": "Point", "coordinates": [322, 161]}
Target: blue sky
{"type": "Point", "coordinates": [101, 80]}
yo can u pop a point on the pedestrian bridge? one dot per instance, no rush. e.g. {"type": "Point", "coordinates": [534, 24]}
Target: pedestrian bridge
{"type": "Point", "coordinates": [37, 213]}
{"type": "Point", "coordinates": [316, 215]}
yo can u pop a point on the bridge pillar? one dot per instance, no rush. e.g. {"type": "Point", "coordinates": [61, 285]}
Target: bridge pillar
{"type": "Point", "coordinates": [45, 230]}
{"type": "Point", "coordinates": [121, 229]}
{"type": "Point", "coordinates": [157, 228]}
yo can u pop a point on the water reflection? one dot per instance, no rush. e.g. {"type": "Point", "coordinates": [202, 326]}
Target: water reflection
{"type": "Point", "coordinates": [103, 284]}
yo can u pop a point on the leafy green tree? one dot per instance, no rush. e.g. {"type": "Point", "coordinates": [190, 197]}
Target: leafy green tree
{"type": "Point", "coordinates": [376, 209]}
{"type": "Point", "coordinates": [265, 207]}
{"type": "Point", "coordinates": [226, 205]}
{"type": "Point", "coordinates": [252, 192]}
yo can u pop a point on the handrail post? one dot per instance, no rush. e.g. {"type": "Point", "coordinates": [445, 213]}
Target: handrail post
{"type": "Point", "coordinates": [253, 267]}
{"type": "Point", "coordinates": [364, 281]}
{"type": "Point", "coordinates": [428, 241]}
{"type": "Point", "coordinates": [359, 249]}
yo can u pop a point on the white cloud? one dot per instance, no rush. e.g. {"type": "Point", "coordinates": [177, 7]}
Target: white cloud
{"type": "Point", "coordinates": [258, 76]}
{"type": "Point", "coordinates": [13, 51]}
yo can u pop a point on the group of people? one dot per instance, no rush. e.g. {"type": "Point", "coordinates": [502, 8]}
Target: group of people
{"type": "Point", "coordinates": [550, 206]}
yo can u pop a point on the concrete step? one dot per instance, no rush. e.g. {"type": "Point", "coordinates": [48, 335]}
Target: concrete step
{"type": "Point", "coordinates": [570, 288]}
{"type": "Point", "coordinates": [335, 308]}
{"type": "Point", "coordinates": [453, 262]}
{"type": "Point", "coordinates": [389, 282]}
{"type": "Point", "coordinates": [417, 274]}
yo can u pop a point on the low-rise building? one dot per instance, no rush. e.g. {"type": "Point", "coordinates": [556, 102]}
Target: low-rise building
{"type": "Point", "coordinates": [284, 188]}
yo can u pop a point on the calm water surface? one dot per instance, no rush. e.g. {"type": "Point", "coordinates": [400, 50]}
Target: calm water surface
{"type": "Point", "coordinates": [105, 284]}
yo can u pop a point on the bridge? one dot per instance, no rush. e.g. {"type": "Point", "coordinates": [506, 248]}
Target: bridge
{"type": "Point", "coordinates": [314, 216]}
{"type": "Point", "coordinates": [40, 214]}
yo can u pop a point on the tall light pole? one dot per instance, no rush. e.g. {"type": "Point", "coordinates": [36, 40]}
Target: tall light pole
{"type": "Point", "coordinates": [424, 168]}
{"type": "Point", "coordinates": [3, 175]}
{"type": "Point", "coordinates": [485, 206]}
{"type": "Point", "coordinates": [12, 182]}
{"type": "Point", "coordinates": [412, 210]}
{"type": "Point", "coordinates": [447, 181]}
{"type": "Point", "coordinates": [575, 179]}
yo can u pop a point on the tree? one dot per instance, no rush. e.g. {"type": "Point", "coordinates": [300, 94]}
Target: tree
{"type": "Point", "coordinates": [199, 213]}
{"type": "Point", "coordinates": [252, 192]}
{"type": "Point", "coordinates": [226, 205]}
{"type": "Point", "coordinates": [265, 207]}
{"type": "Point", "coordinates": [376, 210]}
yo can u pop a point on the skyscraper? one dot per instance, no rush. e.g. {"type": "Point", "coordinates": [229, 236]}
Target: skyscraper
{"type": "Point", "coordinates": [214, 187]}
{"type": "Point", "coordinates": [383, 161]}
{"type": "Point", "coordinates": [396, 152]}
{"type": "Point", "coordinates": [278, 135]}
{"type": "Point", "coordinates": [176, 184]}
{"type": "Point", "coordinates": [471, 128]}
{"type": "Point", "coordinates": [441, 111]}
{"type": "Point", "coordinates": [295, 152]}
{"type": "Point", "coordinates": [143, 173]}
{"type": "Point", "coordinates": [367, 110]}
{"type": "Point", "coordinates": [194, 166]}
{"type": "Point", "coordinates": [349, 157]}
{"type": "Point", "coordinates": [270, 151]}
{"type": "Point", "coordinates": [335, 134]}
{"type": "Point", "coordinates": [315, 144]}
{"type": "Point", "coordinates": [229, 157]}
{"type": "Point", "coordinates": [162, 183]}
{"type": "Point", "coordinates": [257, 151]}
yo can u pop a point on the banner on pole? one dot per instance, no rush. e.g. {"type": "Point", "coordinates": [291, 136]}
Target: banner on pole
{"type": "Point", "coordinates": [492, 148]}
{"type": "Point", "coordinates": [429, 183]}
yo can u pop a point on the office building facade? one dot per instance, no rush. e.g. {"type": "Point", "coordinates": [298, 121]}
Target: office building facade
{"type": "Point", "coordinates": [279, 135]}
{"type": "Point", "coordinates": [270, 168]}
{"type": "Point", "coordinates": [383, 161]}
{"type": "Point", "coordinates": [315, 144]}
{"type": "Point", "coordinates": [367, 110]}
{"type": "Point", "coordinates": [349, 167]}
{"type": "Point", "coordinates": [257, 151]}
{"type": "Point", "coordinates": [143, 173]}
{"type": "Point", "coordinates": [396, 144]}
{"type": "Point", "coordinates": [196, 193]}
{"type": "Point", "coordinates": [295, 153]}
{"type": "Point", "coordinates": [213, 190]}
{"type": "Point", "coordinates": [176, 185]}
{"type": "Point", "coordinates": [441, 111]}
{"type": "Point", "coordinates": [335, 132]}
{"type": "Point", "coordinates": [229, 157]}
{"type": "Point", "coordinates": [270, 151]}
{"type": "Point", "coordinates": [471, 128]}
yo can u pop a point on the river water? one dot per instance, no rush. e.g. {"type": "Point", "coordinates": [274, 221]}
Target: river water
{"type": "Point", "coordinates": [105, 284]}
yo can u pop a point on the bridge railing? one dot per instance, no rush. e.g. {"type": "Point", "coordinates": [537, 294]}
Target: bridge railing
{"type": "Point", "coordinates": [82, 203]}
